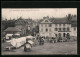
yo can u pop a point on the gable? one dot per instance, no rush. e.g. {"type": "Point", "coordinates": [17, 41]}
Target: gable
{"type": "Point", "coordinates": [46, 21]}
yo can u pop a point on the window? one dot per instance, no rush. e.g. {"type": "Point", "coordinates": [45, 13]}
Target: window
{"type": "Point", "coordinates": [59, 24]}
{"type": "Point", "coordinates": [68, 35]}
{"type": "Point", "coordinates": [68, 29]}
{"type": "Point", "coordinates": [63, 24]}
{"type": "Point", "coordinates": [50, 25]}
{"type": "Point", "coordinates": [46, 20]}
{"type": "Point", "coordinates": [63, 29]}
{"type": "Point", "coordinates": [59, 29]}
{"type": "Point", "coordinates": [46, 30]}
{"type": "Point", "coordinates": [64, 34]}
{"type": "Point", "coordinates": [59, 34]}
{"type": "Point", "coordinates": [74, 28]}
{"type": "Point", "coordinates": [56, 29]}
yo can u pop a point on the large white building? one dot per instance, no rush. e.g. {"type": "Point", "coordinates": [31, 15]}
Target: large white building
{"type": "Point", "coordinates": [58, 26]}
{"type": "Point", "coordinates": [74, 27]}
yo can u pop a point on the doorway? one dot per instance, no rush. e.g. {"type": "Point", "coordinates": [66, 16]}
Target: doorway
{"type": "Point", "coordinates": [64, 34]}
{"type": "Point", "coordinates": [59, 34]}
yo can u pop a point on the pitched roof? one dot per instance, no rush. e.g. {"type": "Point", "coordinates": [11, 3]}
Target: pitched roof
{"type": "Point", "coordinates": [74, 22]}
{"type": "Point", "coordinates": [40, 20]}
{"type": "Point", "coordinates": [61, 21]}
{"type": "Point", "coordinates": [57, 20]}
{"type": "Point", "coordinates": [12, 29]}
{"type": "Point", "coordinates": [74, 19]}
{"type": "Point", "coordinates": [74, 25]}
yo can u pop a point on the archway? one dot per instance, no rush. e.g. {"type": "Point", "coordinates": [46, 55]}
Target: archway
{"type": "Point", "coordinates": [68, 35]}
{"type": "Point", "coordinates": [59, 34]}
{"type": "Point", "coordinates": [64, 34]}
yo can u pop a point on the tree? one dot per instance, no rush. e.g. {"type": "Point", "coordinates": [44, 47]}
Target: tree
{"type": "Point", "coordinates": [37, 29]}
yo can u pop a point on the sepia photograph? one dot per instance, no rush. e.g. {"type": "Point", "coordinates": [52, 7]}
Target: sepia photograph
{"type": "Point", "coordinates": [39, 31]}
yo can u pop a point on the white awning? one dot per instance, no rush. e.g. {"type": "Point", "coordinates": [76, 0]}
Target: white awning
{"type": "Point", "coordinates": [9, 34]}
{"type": "Point", "coordinates": [31, 42]}
{"type": "Point", "coordinates": [17, 34]}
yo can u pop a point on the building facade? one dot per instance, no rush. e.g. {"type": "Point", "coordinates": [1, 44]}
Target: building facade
{"type": "Point", "coordinates": [74, 27]}
{"type": "Point", "coordinates": [58, 26]}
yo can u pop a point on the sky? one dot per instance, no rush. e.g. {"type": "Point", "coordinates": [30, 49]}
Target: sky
{"type": "Point", "coordinates": [36, 13]}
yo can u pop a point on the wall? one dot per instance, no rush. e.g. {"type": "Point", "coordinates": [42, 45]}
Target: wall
{"type": "Point", "coordinates": [73, 32]}
{"type": "Point", "coordinates": [42, 29]}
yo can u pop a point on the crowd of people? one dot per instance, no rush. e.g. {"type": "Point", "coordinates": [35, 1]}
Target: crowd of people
{"type": "Point", "coordinates": [41, 40]}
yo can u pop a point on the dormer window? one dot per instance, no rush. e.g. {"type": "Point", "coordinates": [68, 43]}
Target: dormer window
{"type": "Point", "coordinates": [46, 20]}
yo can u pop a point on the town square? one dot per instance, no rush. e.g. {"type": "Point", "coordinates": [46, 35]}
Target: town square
{"type": "Point", "coordinates": [39, 31]}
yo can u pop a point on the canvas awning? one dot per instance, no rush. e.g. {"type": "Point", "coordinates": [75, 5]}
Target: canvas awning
{"type": "Point", "coordinates": [29, 37]}
{"type": "Point", "coordinates": [17, 34]}
{"type": "Point", "coordinates": [9, 34]}
{"type": "Point", "coordinates": [12, 29]}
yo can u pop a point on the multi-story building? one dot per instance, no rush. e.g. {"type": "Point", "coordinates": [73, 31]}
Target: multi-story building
{"type": "Point", "coordinates": [58, 26]}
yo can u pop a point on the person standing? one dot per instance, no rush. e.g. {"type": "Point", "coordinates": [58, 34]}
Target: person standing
{"type": "Point", "coordinates": [42, 41]}
{"type": "Point", "coordinates": [27, 46]}
{"type": "Point", "coordinates": [68, 37]}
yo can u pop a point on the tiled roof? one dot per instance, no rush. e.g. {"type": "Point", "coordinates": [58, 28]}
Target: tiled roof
{"type": "Point", "coordinates": [57, 20]}
{"type": "Point", "coordinates": [74, 22]}
{"type": "Point", "coordinates": [74, 19]}
{"type": "Point", "coordinates": [40, 20]}
{"type": "Point", "coordinates": [74, 25]}
{"type": "Point", "coordinates": [12, 29]}
{"type": "Point", "coordinates": [60, 21]}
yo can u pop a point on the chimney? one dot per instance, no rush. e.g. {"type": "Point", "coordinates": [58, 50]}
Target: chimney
{"type": "Point", "coordinates": [69, 17]}
{"type": "Point", "coordinates": [74, 15]}
{"type": "Point", "coordinates": [46, 17]}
